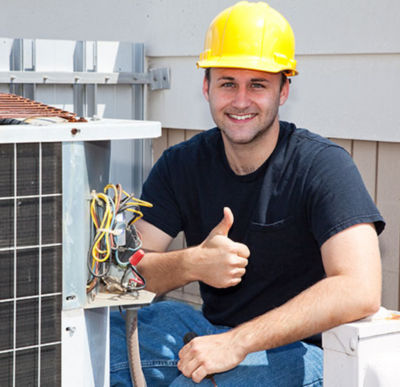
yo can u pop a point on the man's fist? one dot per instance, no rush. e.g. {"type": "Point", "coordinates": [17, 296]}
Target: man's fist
{"type": "Point", "coordinates": [219, 261]}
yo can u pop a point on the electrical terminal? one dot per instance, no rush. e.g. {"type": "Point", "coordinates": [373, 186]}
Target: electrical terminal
{"type": "Point", "coordinates": [116, 247]}
{"type": "Point", "coordinates": [119, 229]}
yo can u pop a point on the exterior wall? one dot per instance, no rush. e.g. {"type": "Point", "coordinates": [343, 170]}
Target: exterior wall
{"type": "Point", "coordinates": [348, 55]}
{"type": "Point", "coordinates": [379, 165]}
{"type": "Point", "coordinates": [348, 61]}
{"type": "Point", "coordinates": [351, 96]}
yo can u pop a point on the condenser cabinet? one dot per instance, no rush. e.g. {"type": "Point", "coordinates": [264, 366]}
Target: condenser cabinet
{"type": "Point", "coordinates": [50, 333]}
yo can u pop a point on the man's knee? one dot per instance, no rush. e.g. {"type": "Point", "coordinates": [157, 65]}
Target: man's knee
{"type": "Point", "coordinates": [165, 312]}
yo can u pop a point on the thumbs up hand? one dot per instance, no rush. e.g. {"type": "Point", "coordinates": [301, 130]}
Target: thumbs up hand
{"type": "Point", "coordinates": [219, 261]}
{"type": "Point", "coordinates": [223, 227]}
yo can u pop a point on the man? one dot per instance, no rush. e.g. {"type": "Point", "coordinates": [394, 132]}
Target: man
{"type": "Point", "coordinates": [282, 234]}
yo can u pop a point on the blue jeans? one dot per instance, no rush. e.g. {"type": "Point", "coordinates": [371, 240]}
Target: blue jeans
{"type": "Point", "coordinates": [161, 328]}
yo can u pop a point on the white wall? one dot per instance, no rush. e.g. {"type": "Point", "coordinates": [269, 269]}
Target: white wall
{"type": "Point", "coordinates": [176, 27]}
{"type": "Point", "coordinates": [348, 55]}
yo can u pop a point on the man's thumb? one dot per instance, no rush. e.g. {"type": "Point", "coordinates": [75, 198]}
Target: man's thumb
{"type": "Point", "coordinates": [223, 227]}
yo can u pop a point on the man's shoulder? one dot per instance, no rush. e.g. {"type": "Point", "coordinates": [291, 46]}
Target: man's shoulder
{"type": "Point", "coordinates": [305, 137]}
{"type": "Point", "coordinates": [306, 151]}
{"type": "Point", "coordinates": [307, 145]}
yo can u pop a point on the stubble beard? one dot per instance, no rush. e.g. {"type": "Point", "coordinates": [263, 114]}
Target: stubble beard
{"type": "Point", "coordinates": [258, 134]}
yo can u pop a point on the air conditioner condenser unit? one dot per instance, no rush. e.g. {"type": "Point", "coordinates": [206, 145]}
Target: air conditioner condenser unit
{"type": "Point", "coordinates": [52, 333]}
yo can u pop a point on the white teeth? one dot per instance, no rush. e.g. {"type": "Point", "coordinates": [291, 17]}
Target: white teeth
{"type": "Point", "coordinates": [244, 117]}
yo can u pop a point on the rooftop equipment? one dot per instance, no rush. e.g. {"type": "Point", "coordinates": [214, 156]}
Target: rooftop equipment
{"type": "Point", "coordinates": [51, 332]}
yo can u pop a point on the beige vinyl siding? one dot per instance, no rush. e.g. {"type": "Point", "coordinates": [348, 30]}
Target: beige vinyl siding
{"type": "Point", "coordinates": [379, 165]}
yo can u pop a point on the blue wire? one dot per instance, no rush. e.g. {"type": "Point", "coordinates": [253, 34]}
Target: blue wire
{"type": "Point", "coordinates": [123, 264]}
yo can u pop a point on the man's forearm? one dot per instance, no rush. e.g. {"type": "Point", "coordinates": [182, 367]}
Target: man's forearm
{"type": "Point", "coordinates": [330, 302]}
{"type": "Point", "coordinates": [318, 308]}
{"type": "Point", "coordinates": [165, 271]}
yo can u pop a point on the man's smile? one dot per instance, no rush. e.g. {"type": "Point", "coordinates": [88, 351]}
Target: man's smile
{"type": "Point", "coordinates": [241, 117]}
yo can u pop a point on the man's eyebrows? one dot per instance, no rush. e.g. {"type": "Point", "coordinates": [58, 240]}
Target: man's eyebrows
{"type": "Point", "coordinates": [259, 80]}
{"type": "Point", "coordinates": [227, 78]}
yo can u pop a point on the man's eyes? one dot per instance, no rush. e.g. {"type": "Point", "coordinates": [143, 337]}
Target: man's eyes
{"type": "Point", "coordinates": [257, 86]}
{"type": "Point", "coordinates": [254, 85]}
{"type": "Point", "coordinates": [228, 84]}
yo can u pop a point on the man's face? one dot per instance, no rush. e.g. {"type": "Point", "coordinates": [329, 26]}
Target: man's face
{"type": "Point", "coordinates": [244, 103]}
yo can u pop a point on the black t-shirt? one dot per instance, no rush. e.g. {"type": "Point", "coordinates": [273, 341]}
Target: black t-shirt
{"type": "Point", "coordinates": [308, 190]}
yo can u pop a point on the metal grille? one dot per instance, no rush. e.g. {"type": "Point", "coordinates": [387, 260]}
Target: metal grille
{"type": "Point", "coordinates": [30, 264]}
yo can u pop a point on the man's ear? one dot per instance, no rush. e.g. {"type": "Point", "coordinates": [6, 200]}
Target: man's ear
{"type": "Point", "coordinates": [206, 86]}
{"type": "Point", "coordinates": [284, 93]}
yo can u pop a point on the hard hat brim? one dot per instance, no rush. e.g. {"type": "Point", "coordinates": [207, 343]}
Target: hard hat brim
{"type": "Point", "coordinates": [239, 63]}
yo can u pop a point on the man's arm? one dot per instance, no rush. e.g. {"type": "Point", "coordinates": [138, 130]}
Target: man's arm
{"type": "Point", "coordinates": [218, 261]}
{"type": "Point", "coordinates": [351, 290]}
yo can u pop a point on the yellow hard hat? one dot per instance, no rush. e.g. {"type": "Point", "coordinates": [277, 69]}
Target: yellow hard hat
{"type": "Point", "coordinates": [251, 36]}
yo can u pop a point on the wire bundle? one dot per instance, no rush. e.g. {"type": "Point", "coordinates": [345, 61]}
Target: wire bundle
{"type": "Point", "coordinates": [104, 250]}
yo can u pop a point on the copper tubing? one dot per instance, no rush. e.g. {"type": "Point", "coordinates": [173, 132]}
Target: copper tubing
{"type": "Point", "coordinates": [132, 340]}
{"type": "Point", "coordinates": [15, 106]}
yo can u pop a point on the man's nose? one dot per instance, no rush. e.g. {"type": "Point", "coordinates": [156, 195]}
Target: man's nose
{"type": "Point", "coordinates": [241, 99]}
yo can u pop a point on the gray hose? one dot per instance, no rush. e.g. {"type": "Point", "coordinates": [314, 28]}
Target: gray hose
{"type": "Point", "coordinates": [132, 341]}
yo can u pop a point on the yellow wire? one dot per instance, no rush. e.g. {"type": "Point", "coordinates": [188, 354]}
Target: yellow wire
{"type": "Point", "coordinates": [105, 224]}
{"type": "Point", "coordinates": [136, 212]}
{"type": "Point", "coordinates": [138, 202]}
{"type": "Point", "coordinates": [114, 188]}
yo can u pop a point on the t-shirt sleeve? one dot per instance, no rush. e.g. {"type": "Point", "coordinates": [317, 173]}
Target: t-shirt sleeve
{"type": "Point", "coordinates": [158, 190]}
{"type": "Point", "coordinates": [337, 197]}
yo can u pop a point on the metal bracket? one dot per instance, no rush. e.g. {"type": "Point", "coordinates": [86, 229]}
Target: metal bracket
{"type": "Point", "coordinates": [157, 79]}
{"type": "Point", "coordinates": [160, 78]}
